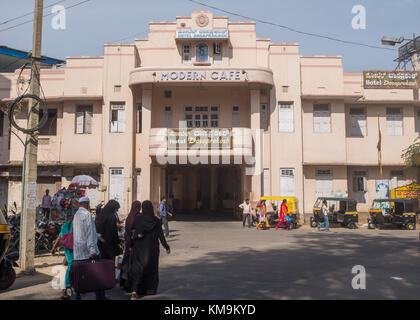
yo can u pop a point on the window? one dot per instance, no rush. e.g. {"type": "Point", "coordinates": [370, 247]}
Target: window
{"type": "Point", "coordinates": [186, 53]}
{"type": "Point", "coordinates": [217, 52]}
{"type": "Point", "coordinates": [236, 117]}
{"type": "Point", "coordinates": [287, 182]}
{"type": "Point", "coordinates": [393, 122]}
{"type": "Point", "coordinates": [286, 122]}
{"type": "Point", "coordinates": [360, 181]}
{"type": "Point", "coordinates": [50, 128]}
{"type": "Point", "coordinates": [167, 94]}
{"type": "Point", "coordinates": [202, 52]}
{"type": "Point", "coordinates": [167, 117]}
{"type": "Point", "coordinates": [1, 123]}
{"type": "Point", "coordinates": [188, 111]}
{"type": "Point", "coordinates": [214, 116]}
{"type": "Point", "coordinates": [139, 118]}
{"type": "Point", "coordinates": [201, 116]}
{"type": "Point", "coordinates": [357, 122]}
{"type": "Point", "coordinates": [322, 118]}
{"type": "Point", "coordinates": [84, 115]}
{"type": "Point", "coordinates": [264, 117]}
{"type": "Point", "coordinates": [397, 179]}
{"type": "Point", "coordinates": [117, 117]}
{"type": "Point", "coordinates": [323, 182]}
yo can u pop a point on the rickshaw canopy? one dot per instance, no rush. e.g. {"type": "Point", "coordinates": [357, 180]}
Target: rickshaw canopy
{"type": "Point", "coordinates": [292, 202]}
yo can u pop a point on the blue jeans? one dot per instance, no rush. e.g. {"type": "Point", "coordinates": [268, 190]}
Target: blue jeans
{"type": "Point", "coordinates": [325, 223]}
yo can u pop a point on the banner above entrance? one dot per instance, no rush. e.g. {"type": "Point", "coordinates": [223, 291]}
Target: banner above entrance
{"type": "Point", "coordinates": [199, 138]}
{"type": "Point", "coordinates": [202, 34]}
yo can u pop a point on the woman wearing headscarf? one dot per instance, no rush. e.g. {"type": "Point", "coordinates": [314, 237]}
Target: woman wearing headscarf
{"type": "Point", "coordinates": [124, 278]}
{"type": "Point", "coordinates": [144, 244]}
{"type": "Point", "coordinates": [109, 242]}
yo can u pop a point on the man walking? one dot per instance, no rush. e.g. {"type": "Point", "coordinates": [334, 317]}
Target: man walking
{"type": "Point", "coordinates": [46, 204]}
{"type": "Point", "coordinates": [163, 212]}
{"type": "Point", "coordinates": [246, 213]}
{"type": "Point", "coordinates": [85, 240]}
{"type": "Point", "coordinates": [324, 210]}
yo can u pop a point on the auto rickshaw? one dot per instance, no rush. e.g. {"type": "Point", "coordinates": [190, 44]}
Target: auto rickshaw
{"type": "Point", "coordinates": [273, 206]}
{"type": "Point", "coordinates": [400, 212]}
{"type": "Point", "coordinates": [341, 211]}
{"type": "Point", "coordinates": [7, 273]}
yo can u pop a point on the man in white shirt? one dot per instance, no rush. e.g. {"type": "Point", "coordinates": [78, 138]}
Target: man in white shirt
{"type": "Point", "coordinates": [246, 214]}
{"type": "Point", "coordinates": [85, 240]}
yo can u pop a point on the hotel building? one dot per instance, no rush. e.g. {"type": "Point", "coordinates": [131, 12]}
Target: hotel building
{"type": "Point", "coordinates": [311, 127]}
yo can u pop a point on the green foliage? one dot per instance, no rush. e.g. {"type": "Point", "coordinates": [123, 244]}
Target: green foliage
{"type": "Point", "coordinates": [409, 153]}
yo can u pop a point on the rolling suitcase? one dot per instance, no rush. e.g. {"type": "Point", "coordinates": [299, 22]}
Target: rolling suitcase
{"type": "Point", "coordinates": [92, 275]}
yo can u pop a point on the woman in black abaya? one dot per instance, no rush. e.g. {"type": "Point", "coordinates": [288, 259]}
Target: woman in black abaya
{"type": "Point", "coordinates": [109, 242]}
{"type": "Point", "coordinates": [144, 260]}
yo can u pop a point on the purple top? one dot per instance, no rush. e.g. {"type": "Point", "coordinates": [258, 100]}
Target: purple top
{"type": "Point", "coordinates": [46, 201]}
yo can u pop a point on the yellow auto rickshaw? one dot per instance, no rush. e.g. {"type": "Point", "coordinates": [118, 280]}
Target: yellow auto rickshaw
{"type": "Point", "coordinates": [7, 273]}
{"type": "Point", "coordinates": [341, 211]}
{"type": "Point", "coordinates": [398, 212]}
{"type": "Point", "coordinates": [273, 205]}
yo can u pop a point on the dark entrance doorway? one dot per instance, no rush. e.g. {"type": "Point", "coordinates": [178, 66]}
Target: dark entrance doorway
{"type": "Point", "coordinates": [205, 190]}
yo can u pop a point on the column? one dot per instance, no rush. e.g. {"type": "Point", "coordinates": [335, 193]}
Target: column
{"type": "Point", "coordinates": [257, 138]}
{"type": "Point", "coordinates": [213, 188]}
{"type": "Point", "coordinates": [146, 161]}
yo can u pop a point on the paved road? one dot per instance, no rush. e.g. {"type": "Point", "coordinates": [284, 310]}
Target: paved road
{"type": "Point", "coordinates": [220, 260]}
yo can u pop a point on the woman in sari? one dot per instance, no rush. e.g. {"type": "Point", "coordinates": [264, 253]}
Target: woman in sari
{"type": "Point", "coordinates": [282, 215]}
{"type": "Point", "coordinates": [124, 278]}
{"type": "Point", "coordinates": [144, 244]}
{"type": "Point", "coordinates": [66, 228]}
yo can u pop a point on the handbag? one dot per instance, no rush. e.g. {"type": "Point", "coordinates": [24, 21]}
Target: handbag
{"type": "Point", "coordinates": [67, 239]}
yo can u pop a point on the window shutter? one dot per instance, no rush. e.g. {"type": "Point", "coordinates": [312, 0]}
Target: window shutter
{"type": "Point", "coordinates": [286, 121]}
{"type": "Point", "coordinates": [88, 121]}
{"type": "Point", "coordinates": [121, 120]}
{"type": "Point", "coordinates": [79, 122]}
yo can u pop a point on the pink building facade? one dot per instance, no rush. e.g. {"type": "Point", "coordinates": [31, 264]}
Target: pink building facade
{"type": "Point", "coordinates": [299, 125]}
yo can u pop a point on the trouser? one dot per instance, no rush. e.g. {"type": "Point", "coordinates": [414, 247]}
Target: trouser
{"type": "Point", "coordinates": [281, 220]}
{"type": "Point", "coordinates": [46, 212]}
{"type": "Point", "coordinates": [246, 217]}
{"type": "Point", "coordinates": [100, 295]}
{"type": "Point", "coordinates": [326, 223]}
{"type": "Point", "coordinates": [165, 225]}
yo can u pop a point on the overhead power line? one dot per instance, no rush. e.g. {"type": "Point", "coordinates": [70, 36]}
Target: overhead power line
{"type": "Point", "coordinates": [45, 15]}
{"type": "Point", "coordinates": [290, 28]}
{"type": "Point", "coordinates": [29, 13]}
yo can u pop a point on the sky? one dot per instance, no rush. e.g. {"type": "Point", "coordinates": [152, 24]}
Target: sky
{"type": "Point", "coordinates": [90, 25]}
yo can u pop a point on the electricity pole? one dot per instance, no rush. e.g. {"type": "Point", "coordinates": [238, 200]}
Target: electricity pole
{"type": "Point", "coordinates": [27, 235]}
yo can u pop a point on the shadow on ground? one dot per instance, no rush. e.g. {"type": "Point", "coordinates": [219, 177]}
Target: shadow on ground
{"type": "Point", "coordinates": [316, 266]}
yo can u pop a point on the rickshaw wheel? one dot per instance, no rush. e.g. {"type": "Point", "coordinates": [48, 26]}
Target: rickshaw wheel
{"type": "Point", "coordinates": [8, 279]}
{"type": "Point", "coordinates": [371, 226]}
{"type": "Point", "coordinates": [410, 226]}
{"type": "Point", "coordinates": [314, 224]}
{"type": "Point", "coordinates": [351, 225]}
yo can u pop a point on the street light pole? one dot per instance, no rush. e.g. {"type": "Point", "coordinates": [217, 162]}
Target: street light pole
{"type": "Point", "coordinates": [27, 236]}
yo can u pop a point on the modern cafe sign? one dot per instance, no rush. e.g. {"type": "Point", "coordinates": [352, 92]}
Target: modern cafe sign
{"type": "Point", "coordinates": [199, 138]}
{"type": "Point", "coordinates": [391, 79]}
{"type": "Point", "coordinates": [213, 75]}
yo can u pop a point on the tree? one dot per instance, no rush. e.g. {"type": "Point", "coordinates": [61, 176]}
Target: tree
{"type": "Point", "coordinates": [411, 155]}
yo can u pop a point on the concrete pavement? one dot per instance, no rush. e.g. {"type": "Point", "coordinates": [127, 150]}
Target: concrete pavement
{"type": "Point", "coordinates": [221, 260]}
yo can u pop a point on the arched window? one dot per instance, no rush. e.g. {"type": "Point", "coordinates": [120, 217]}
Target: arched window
{"type": "Point", "coordinates": [202, 52]}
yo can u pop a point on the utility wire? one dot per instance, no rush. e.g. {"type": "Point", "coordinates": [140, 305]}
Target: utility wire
{"type": "Point", "coordinates": [45, 15]}
{"type": "Point", "coordinates": [29, 13]}
{"type": "Point", "coordinates": [290, 28]}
